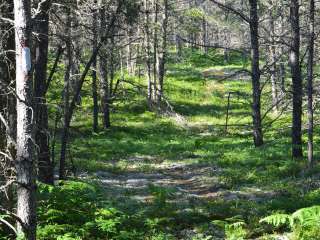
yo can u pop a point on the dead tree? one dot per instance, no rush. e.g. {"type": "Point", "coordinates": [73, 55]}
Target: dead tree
{"type": "Point", "coordinates": [25, 164]}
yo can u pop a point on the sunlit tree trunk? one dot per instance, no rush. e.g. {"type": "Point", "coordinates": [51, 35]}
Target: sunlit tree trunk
{"type": "Point", "coordinates": [25, 167]}
{"type": "Point", "coordinates": [163, 54]}
{"type": "Point", "coordinates": [147, 45]}
{"type": "Point", "coordinates": [256, 106]}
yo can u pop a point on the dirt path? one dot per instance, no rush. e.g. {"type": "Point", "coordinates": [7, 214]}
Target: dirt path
{"type": "Point", "coordinates": [184, 183]}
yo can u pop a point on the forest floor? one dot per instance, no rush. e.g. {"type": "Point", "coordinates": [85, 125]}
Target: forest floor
{"type": "Point", "coordinates": [198, 173]}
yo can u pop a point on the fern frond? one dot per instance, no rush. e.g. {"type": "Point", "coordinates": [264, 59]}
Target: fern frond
{"type": "Point", "coordinates": [307, 216]}
{"type": "Point", "coordinates": [277, 219]}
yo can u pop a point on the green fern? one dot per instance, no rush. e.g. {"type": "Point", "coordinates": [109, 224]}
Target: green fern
{"type": "Point", "coordinates": [307, 216]}
{"type": "Point", "coordinates": [277, 219]}
{"type": "Point", "coordinates": [304, 223]}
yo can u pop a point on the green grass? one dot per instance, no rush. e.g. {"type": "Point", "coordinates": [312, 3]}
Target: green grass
{"type": "Point", "coordinates": [158, 139]}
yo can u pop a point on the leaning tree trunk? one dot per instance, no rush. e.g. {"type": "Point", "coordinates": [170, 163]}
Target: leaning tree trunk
{"type": "Point", "coordinates": [78, 87]}
{"type": "Point", "coordinates": [45, 165]}
{"type": "Point", "coordinates": [256, 106]}
{"type": "Point", "coordinates": [296, 80]}
{"type": "Point", "coordinates": [310, 84]}
{"type": "Point", "coordinates": [26, 186]}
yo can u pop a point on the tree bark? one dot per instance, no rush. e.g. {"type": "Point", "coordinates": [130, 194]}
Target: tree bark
{"type": "Point", "coordinates": [272, 62]}
{"type": "Point", "coordinates": [103, 76]}
{"type": "Point", "coordinates": [255, 68]}
{"type": "Point", "coordinates": [296, 80]}
{"type": "Point", "coordinates": [94, 73]}
{"type": "Point", "coordinates": [66, 98]}
{"type": "Point", "coordinates": [45, 166]}
{"type": "Point", "coordinates": [205, 35]}
{"type": "Point", "coordinates": [310, 83]}
{"type": "Point", "coordinates": [155, 52]}
{"type": "Point", "coordinates": [26, 186]}
{"type": "Point", "coordinates": [163, 55]}
{"type": "Point", "coordinates": [147, 44]}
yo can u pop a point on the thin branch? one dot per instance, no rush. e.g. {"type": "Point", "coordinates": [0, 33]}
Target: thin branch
{"type": "Point", "coordinates": [54, 67]}
{"type": "Point", "coordinates": [7, 20]}
{"type": "Point", "coordinates": [231, 9]}
{"type": "Point", "coordinates": [214, 46]}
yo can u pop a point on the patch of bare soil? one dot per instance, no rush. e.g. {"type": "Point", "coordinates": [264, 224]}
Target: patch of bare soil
{"type": "Point", "coordinates": [187, 182]}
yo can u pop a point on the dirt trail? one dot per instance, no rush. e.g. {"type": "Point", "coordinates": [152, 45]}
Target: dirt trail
{"type": "Point", "coordinates": [186, 183]}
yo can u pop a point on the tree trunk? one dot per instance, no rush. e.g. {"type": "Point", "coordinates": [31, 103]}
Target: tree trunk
{"type": "Point", "coordinates": [155, 53]}
{"type": "Point", "coordinates": [103, 76]}
{"type": "Point", "coordinates": [296, 80]}
{"type": "Point", "coordinates": [26, 185]}
{"type": "Point", "coordinates": [78, 88]}
{"type": "Point", "coordinates": [310, 84]}
{"type": "Point", "coordinates": [45, 166]}
{"type": "Point", "coordinates": [273, 64]}
{"type": "Point", "coordinates": [163, 55]}
{"type": "Point", "coordinates": [256, 106]}
{"type": "Point", "coordinates": [205, 35]}
{"type": "Point", "coordinates": [66, 98]}
{"type": "Point", "coordinates": [148, 52]}
{"type": "Point", "coordinates": [94, 74]}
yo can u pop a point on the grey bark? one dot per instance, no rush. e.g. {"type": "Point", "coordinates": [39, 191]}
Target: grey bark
{"type": "Point", "coordinates": [25, 164]}
{"type": "Point", "coordinates": [155, 53]}
{"type": "Point", "coordinates": [94, 73]}
{"type": "Point", "coordinates": [163, 54]}
{"type": "Point", "coordinates": [255, 68]}
{"type": "Point", "coordinates": [66, 97]}
{"type": "Point", "coordinates": [296, 80]}
{"type": "Point", "coordinates": [272, 62]}
{"type": "Point", "coordinates": [310, 83]}
{"type": "Point", "coordinates": [45, 166]}
{"type": "Point", "coordinates": [147, 45]}
{"type": "Point", "coordinates": [103, 76]}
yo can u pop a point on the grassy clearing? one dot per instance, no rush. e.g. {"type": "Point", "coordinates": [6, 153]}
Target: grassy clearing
{"type": "Point", "coordinates": [246, 185]}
